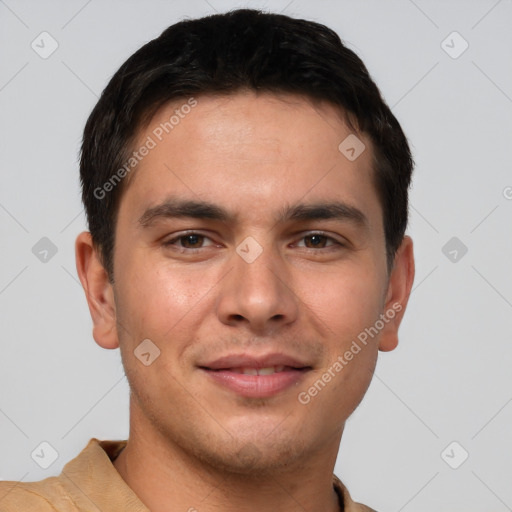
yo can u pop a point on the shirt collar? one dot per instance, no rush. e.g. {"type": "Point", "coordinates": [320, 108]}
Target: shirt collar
{"type": "Point", "coordinates": [90, 479]}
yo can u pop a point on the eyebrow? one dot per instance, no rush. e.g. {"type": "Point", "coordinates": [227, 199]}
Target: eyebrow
{"type": "Point", "coordinates": [178, 208]}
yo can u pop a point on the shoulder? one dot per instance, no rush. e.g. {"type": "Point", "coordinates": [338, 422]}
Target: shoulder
{"type": "Point", "coordinates": [88, 480]}
{"type": "Point", "coordinates": [348, 504]}
{"type": "Point", "coordinates": [364, 508]}
{"type": "Point", "coordinates": [359, 507]}
{"type": "Point", "coordinates": [44, 496]}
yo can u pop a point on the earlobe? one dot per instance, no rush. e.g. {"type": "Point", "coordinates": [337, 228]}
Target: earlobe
{"type": "Point", "coordinates": [399, 289]}
{"type": "Point", "coordinates": [98, 291]}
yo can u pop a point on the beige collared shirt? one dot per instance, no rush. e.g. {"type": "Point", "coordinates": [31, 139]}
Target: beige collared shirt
{"type": "Point", "coordinates": [91, 483]}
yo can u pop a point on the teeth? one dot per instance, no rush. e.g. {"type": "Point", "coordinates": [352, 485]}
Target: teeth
{"type": "Point", "coordinates": [267, 371]}
{"type": "Point", "coordinates": [259, 371]}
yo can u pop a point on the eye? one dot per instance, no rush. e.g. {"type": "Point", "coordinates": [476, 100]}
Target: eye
{"type": "Point", "coordinates": [189, 241]}
{"type": "Point", "coordinates": [317, 241]}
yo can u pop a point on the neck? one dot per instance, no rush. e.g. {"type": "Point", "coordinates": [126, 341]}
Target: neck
{"type": "Point", "coordinates": [168, 479]}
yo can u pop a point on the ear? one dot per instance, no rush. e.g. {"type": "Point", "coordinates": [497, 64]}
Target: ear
{"type": "Point", "coordinates": [98, 291]}
{"type": "Point", "coordinates": [399, 289]}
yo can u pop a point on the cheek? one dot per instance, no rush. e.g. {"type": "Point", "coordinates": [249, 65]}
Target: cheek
{"type": "Point", "coordinates": [347, 306]}
{"type": "Point", "coordinates": [345, 300]}
{"type": "Point", "coordinates": [158, 302]}
{"type": "Point", "coordinates": [165, 306]}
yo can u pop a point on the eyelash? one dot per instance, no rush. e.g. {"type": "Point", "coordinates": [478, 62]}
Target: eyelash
{"type": "Point", "coordinates": [173, 242]}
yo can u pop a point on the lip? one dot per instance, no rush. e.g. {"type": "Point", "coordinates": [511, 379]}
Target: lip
{"type": "Point", "coordinates": [253, 361]}
{"type": "Point", "coordinates": [224, 371]}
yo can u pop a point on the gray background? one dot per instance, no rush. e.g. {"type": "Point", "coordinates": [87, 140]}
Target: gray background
{"type": "Point", "coordinates": [449, 380]}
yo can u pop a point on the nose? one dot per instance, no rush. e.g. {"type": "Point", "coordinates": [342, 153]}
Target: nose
{"type": "Point", "coordinates": [257, 295]}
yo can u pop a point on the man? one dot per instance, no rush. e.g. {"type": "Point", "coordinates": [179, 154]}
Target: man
{"type": "Point", "coordinates": [246, 192]}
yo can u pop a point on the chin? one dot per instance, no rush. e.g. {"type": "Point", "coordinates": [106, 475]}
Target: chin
{"type": "Point", "coordinates": [257, 458]}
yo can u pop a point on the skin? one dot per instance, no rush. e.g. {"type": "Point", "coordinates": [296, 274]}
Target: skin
{"type": "Point", "coordinates": [194, 444]}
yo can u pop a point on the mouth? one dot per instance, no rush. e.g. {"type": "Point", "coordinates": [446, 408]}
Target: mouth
{"type": "Point", "coordinates": [254, 377]}
{"type": "Point", "coordinates": [270, 370]}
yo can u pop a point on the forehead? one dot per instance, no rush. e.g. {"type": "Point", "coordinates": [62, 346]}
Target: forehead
{"type": "Point", "coordinates": [251, 151]}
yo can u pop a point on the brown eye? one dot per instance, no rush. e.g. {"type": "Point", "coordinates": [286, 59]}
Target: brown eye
{"type": "Point", "coordinates": [189, 242]}
{"type": "Point", "coordinates": [193, 241]}
{"type": "Point", "coordinates": [315, 241]}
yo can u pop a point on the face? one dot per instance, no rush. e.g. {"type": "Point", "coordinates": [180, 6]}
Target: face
{"type": "Point", "coordinates": [251, 252]}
